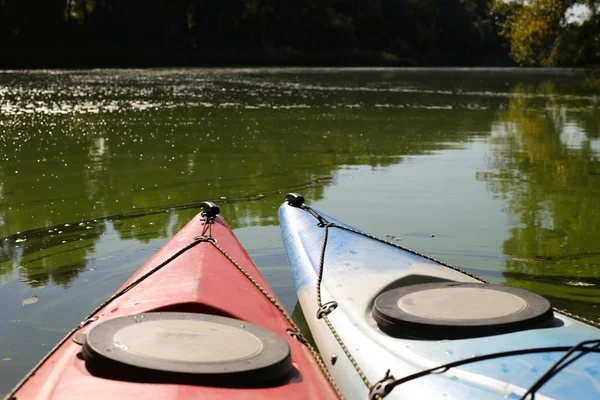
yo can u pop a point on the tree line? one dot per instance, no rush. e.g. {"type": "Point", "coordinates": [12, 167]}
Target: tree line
{"type": "Point", "coordinates": [341, 32]}
{"type": "Point", "coordinates": [551, 32]}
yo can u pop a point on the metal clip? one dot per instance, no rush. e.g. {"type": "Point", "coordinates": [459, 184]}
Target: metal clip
{"type": "Point", "coordinates": [326, 309]}
{"type": "Point", "coordinates": [383, 387]}
{"type": "Point", "coordinates": [298, 336]}
{"type": "Point", "coordinates": [205, 239]}
{"type": "Point", "coordinates": [87, 321]}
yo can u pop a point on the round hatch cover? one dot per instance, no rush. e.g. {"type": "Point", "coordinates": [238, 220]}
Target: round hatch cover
{"type": "Point", "coordinates": [453, 310]}
{"type": "Point", "coordinates": [201, 345]}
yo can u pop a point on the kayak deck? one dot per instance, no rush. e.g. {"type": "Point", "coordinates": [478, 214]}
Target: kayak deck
{"type": "Point", "coordinates": [201, 281]}
{"type": "Point", "coordinates": [358, 268]}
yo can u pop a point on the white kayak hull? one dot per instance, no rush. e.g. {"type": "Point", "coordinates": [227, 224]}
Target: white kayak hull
{"type": "Point", "coordinates": [357, 269]}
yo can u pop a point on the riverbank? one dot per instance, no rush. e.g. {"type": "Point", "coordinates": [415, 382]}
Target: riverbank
{"type": "Point", "coordinates": [56, 56]}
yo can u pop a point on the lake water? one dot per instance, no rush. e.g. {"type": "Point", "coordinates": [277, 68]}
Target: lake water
{"type": "Point", "coordinates": [494, 171]}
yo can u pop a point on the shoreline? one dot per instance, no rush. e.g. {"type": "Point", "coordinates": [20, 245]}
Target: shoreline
{"type": "Point", "coordinates": [55, 57]}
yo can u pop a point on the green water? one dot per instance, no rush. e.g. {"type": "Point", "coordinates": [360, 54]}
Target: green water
{"type": "Point", "coordinates": [99, 168]}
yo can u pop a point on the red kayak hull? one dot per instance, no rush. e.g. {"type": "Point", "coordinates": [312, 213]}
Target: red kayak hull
{"type": "Point", "coordinates": [201, 280]}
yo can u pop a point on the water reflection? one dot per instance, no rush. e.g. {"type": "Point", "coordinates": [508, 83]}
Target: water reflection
{"type": "Point", "coordinates": [130, 145]}
{"type": "Point", "coordinates": [546, 163]}
{"type": "Point", "coordinates": [99, 168]}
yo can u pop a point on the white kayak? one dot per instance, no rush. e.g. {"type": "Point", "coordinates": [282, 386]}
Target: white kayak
{"type": "Point", "coordinates": [385, 320]}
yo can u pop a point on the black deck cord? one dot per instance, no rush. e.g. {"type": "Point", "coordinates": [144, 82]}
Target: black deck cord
{"type": "Point", "coordinates": [392, 382]}
{"type": "Point", "coordinates": [326, 225]}
{"type": "Point", "coordinates": [557, 367]}
{"type": "Point", "coordinates": [197, 241]}
{"type": "Point", "coordinates": [322, 221]}
{"type": "Point", "coordinates": [445, 367]}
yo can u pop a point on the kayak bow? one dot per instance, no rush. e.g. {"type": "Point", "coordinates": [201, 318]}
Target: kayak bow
{"type": "Point", "coordinates": [198, 320]}
{"type": "Point", "coordinates": [392, 323]}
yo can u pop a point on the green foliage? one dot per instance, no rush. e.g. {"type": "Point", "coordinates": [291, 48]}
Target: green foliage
{"type": "Point", "coordinates": [540, 33]}
{"type": "Point", "coordinates": [580, 44]}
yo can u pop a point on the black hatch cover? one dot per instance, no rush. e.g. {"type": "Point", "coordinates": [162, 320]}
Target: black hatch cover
{"type": "Point", "coordinates": [206, 349]}
{"type": "Point", "coordinates": [454, 310]}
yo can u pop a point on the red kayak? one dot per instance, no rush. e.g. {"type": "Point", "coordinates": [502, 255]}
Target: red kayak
{"type": "Point", "coordinates": [197, 321]}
